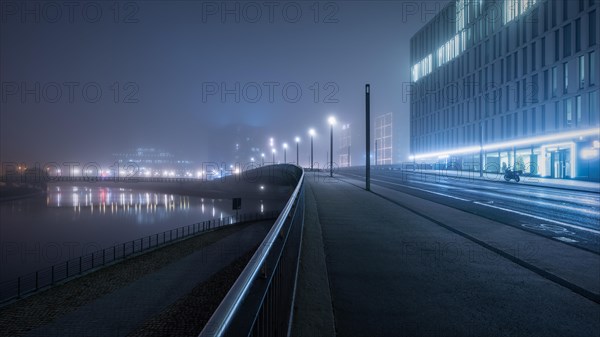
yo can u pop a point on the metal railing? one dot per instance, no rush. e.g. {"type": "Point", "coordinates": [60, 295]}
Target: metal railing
{"type": "Point", "coordinates": [261, 300]}
{"type": "Point", "coordinates": [70, 269]}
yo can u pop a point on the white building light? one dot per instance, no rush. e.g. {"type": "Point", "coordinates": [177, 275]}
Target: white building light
{"type": "Point", "coordinates": [511, 144]}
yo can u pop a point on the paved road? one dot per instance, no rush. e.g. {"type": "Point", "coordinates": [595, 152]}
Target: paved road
{"type": "Point", "coordinates": [402, 265]}
{"type": "Point", "coordinates": [563, 214]}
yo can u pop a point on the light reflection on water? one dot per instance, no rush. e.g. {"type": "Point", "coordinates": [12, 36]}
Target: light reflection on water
{"type": "Point", "coordinates": [72, 220]}
{"type": "Point", "coordinates": [130, 202]}
{"type": "Point", "coordinates": [104, 199]}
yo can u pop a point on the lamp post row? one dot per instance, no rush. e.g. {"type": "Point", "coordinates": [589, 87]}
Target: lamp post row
{"type": "Point", "coordinates": [332, 122]}
{"type": "Point", "coordinates": [311, 133]}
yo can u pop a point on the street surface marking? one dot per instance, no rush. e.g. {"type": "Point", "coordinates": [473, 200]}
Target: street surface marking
{"type": "Point", "coordinates": [562, 238]}
{"type": "Point", "coordinates": [541, 218]}
{"type": "Point", "coordinates": [424, 190]}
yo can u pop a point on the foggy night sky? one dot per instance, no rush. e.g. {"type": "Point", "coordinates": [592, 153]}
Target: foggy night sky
{"type": "Point", "coordinates": [171, 51]}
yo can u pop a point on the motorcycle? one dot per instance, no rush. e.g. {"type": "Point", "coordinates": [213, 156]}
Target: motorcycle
{"type": "Point", "coordinates": [510, 174]}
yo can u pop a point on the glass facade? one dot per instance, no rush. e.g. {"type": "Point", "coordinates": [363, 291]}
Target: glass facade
{"type": "Point", "coordinates": [477, 87]}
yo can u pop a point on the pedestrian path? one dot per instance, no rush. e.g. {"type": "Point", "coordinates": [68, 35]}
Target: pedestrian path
{"type": "Point", "coordinates": [398, 265]}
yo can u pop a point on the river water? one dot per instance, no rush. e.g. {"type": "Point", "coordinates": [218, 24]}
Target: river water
{"type": "Point", "coordinates": [76, 219]}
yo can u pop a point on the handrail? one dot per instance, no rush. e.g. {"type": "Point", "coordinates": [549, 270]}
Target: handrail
{"type": "Point", "coordinates": [223, 315]}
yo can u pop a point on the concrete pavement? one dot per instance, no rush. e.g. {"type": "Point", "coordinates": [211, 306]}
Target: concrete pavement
{"type": "Point", "coordinates": [398, 265]}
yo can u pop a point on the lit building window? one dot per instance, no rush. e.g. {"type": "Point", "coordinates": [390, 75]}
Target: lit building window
{"type": "Point", "coordinates": [422, 69]}
{"type": "Point", "coordinates": [514, 8]}
{"type": "Point", "coordinates": [581, 71]}
{"type": "Point", "coordinates": [566, 77]}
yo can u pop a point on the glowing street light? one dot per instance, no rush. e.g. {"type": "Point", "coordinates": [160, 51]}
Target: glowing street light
{"type": "Point", "coordinates": [285, 153]}
{"type": "Point", "coordinates": [297, 147]}
{"type": "Point", "coordinates": [262, 155]}
{"type": "Point", "coordinates": [311, 132]}
{"type": "Point", "coordinates": [331, 124]}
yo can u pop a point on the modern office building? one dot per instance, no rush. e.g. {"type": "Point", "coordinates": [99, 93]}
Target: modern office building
{"type": "Point", "coordinates": [509, 83]}
{"type": "Point", "coordinates": [153, 162]}
{"type": "Point", "coordinates": [345, 158]}
{"type": "Point", "coordinates": [384, 139]}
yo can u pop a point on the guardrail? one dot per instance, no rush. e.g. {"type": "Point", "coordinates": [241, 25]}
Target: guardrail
{"type": "Point", "coordinates": [261, 300]}
{"type": "Point", "coordinates": [70, 269]}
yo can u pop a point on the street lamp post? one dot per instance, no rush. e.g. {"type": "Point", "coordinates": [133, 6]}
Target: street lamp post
{"type": "Point", "coordinates": [368, 137]}
{"type": "Point", "coordinates": [297, 151]}
{"type": "Point", "coordinates": [331, 123]}
{"type": "Point", "coordinates": [311, 132]}
{"type": "Point", "coordinates": [285, 153]}
{"type": "Point", "coordinates": [273, 150]}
